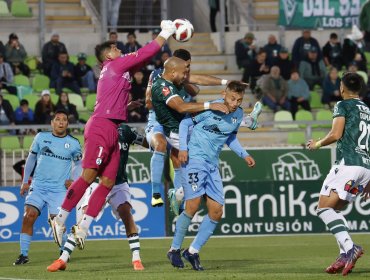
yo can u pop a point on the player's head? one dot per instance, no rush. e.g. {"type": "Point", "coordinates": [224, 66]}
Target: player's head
{"type": "Point", "coordinates": [59, 123]}
{"type": "Point", "coordinates": [184, 55]}
{"type": "Point", "coordinates": [351, 85]}
{"type": "Point", "coordinates": [107, 51]}
{"type": "Point", "coordinates": [234, 94]}
{"type": "Point", "coordinates": [175, 70]}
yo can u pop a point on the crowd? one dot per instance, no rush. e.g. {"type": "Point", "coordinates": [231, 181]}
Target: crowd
{"type": "Point", "coordinates": [286, 82]}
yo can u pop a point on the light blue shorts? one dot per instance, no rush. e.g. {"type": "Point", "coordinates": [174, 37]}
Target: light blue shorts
{"type": "Point", "coordinates": [152, 129]}
{"type": "Point", "coordinates": [199, 178]}
{"type": "Point", "coordinates": [39, 198]}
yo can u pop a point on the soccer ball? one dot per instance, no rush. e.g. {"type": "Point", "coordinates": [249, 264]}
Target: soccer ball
{"type": "Point", "coordinates": [184, 30]}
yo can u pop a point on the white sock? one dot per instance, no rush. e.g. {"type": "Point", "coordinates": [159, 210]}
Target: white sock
{"type": "Point", "coordinates": [341, 249]}
{"type": "Point", "coordinates": [134, 244]}
{"type": "Point", "coordinates": [62, 216]}
{"type": "Point", "coordinates": [68, 248]}
{"type": "Point", "coordinates": [335, 223]}
{"type": "Point", "coordinates": [193, 251]}
{"type": "Point", "coordinates": [86, 222]}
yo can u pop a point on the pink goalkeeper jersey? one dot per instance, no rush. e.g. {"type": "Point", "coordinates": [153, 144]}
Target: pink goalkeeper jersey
{"type": "Point", "coordinates": [115, 82]}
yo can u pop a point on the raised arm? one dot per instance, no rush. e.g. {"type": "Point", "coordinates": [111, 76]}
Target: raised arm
{"type": "Point", "coordinates": [206, 80]}
{"type": "Point", "coordinates": [176, 103]}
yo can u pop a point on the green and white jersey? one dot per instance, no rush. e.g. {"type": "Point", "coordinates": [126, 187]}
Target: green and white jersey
{"type": "Point", "coordinates": [353, 147]}
{"type": "Point", "coordinates": [162, 92]}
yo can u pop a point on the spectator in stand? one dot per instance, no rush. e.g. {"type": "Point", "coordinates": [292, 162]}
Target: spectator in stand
{"type": "Point", "coordinates": [113, 36]}
{"type": "Point", "coordinates": [284, 63]}
{"type": "Point", "coordinates": [214, 8]}
{"type": "Point", "coordinates": [164, 57]}
{"type": "Point", "coordinates": [365, 23]}
{"type": "Point", "coordinates": [50, 53]}
{"type": "Point", "coordinates": [157, 59]}
{"type": "Point", "coordinates": [6, 76]}
{"type": "Point", "coordinates": [84, 74]}
{"type": "Point", "coordinates": [245, 51]}
{"type": "Point", "coordinates": [331, 87]}
{"type": "Point", "coordinates": [364, 90]}
{"type": "Point", "coordinates": [138, 112]}
{"type": "Point", "coordinates": [69, 108]}
{"type": "Point", "coordinates": [258, 68]}
{"type": "Point", "coordinates": [44, 109]}
{"type": "Point", "coordinates": [312, 69]}
{"type": "Point", "coordinates": [354, 49]}
{"type": "Point", "coordinates": [2, 48]}
{"type": "Point", "coordinates": [15, 54]}
{"type": "Point", "coordinates": [63, 76]}
{"type": "Point", "coordinates": [24, 114]}
{"type": "Point", "coordinates": [298, 93]}
{"type": "Point", "coordinates": [302, 45]}
{"type": "Point", "coordinates": [332, 52]}
{"type": "Point", "coordinates": [6, 112]}
{"type": "Point", "coordinates": [132, 45]}
{"type": "Point", "coordinates": [272, 49]}
{"type": "Point", "coordinates": [274, 90]}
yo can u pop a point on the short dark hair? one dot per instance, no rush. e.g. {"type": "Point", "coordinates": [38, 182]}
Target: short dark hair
{"type": "Point", "coordinates": [101, 48]}
{"type": "Point", "coordinates": [353, 82]}
{"type": "Point", "coordinates": [333, 36]}
{"type": "Point", "coordinates": [237, 86]}
{"type": "Point", "coordinates": [112, 33]}
{"type": "Point", "coordinates": [60, 111]}
{"type": "Point", "coordinates": [62, 52]}
{"type": "Point", "coordinates": [23, 102]}
{"type": "Point", "coordinates": [182, 54]}
{"type": "Point", "coordinates": [131, 34]}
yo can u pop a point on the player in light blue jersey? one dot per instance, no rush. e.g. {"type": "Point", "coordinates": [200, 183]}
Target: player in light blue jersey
{"type": "Point", "coordinates": [200, 174]}
{"type": "Point", "coordinates": [53, 154]}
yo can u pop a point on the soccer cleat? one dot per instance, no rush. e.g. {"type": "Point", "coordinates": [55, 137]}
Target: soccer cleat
{"type": "Point", "coordinates": [174, 205]}
{"type": "Point", "coordinates": [58, 231]}
{"type": "Point", "coordinates": [257, 109]}
{"type": "Point", "coordinates": [137, 265]}
{"type": "Point", "coordinates": [175, 258]}
{"type": "Point", "coordinates": [193, 259]}
{"type": "Point", "coordinates": [352, 256]}
{"type": "Point", "coordinates": [157, 200]}
{"type": "Point", "coordinates": [57, 265]}
{"type": "Point", "coordinates": [21, 260]}
{"type": "Point", "coordinates": [79, 235]}
{"type": "Point", "coordinates": [338, 265]}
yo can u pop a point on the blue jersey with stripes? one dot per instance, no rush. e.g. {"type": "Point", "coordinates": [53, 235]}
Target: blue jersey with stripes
{"type": "Point", "coordinates": [211, 131]}
{"type": "Point", "coordinates": [54, 160]}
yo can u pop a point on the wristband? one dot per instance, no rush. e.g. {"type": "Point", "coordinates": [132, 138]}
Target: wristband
{"type": "Point", "coordinates": [224, 82]}
{"type": "Point", "coordinates": [318, 145]}
{"type": "Point", "coordinates": [206, 105]}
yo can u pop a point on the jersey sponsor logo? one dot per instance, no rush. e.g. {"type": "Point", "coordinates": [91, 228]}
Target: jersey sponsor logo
{"type": "Point", "coordinates": [47, 152]}
{"type": "Point", "coordinates": [295, 166]}
{"type": "Point", "coordinates": [47, 142]}
{"type": "Point", "coordinates": [166, 91]}
{"type": "Point", "coordinates": [217, 118]}
{"type": "Point", "coordinates": [213, 128]}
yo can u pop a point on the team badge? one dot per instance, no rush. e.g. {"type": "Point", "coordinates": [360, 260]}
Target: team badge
{"type": "Point", "coordinates": [194, 187]}
{"type": "Point", "coordinates": [98, 161]}
{"type": "Point", "coordinates": [66, 145]}
{"type": "Point", "coordinates": [166, 91]}
{"type": "Point", "coordinates": [234, 120]}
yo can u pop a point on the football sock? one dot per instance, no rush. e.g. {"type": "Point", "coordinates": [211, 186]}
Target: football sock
{"type": "Point", "coordinates": [205, 231]}
{"type": "Point", "coordinates": [182, 225]}
{"type": "Point", "coordinates": [74, 194]}
{"type": "Point", "coordinates": [97, 198]}
{"type": "Point", "coordinates": [156, 167]}
{"type": "Point", "coordinates": [25, 241]}
{"type": "Point", "coordinates": [341, 249]}
{"type": "Point", "coordinates": [62, 216]}
{"type": "Point", "coordinates": [86, 222]}
{"type": "Point", "coordinates": [64, 240]}
{"type": "Point", "coordinates": [134, 243]}
{"type": "Point", "coordinates": [337, 226]}
{"type": "Point", "coordinates": [177, 178]}
{"type": "Point", "coordinates": [68, 248]}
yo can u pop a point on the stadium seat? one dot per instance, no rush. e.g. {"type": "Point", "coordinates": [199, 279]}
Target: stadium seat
{"type": "Point", "coordinates": [32, 100]}
{"type": "Point", "coordinates": [73, 59]}
{"type": "Point", "coordinates": [90, 102]}
{"type": "Point", "coordinates": [284, 116]}
{"type": "Point", "coordinates": [318, 134]}
{"type": "Point", "coordinates": [27, 141]}
{"type": "Point", "coordinates": [315, 100]}
{"type": "Point", "coordinates": [31, 62]}
{"type": "Point", "coordinates": [296, 138]}
{"type": "Point", "coordinates": [84, 116]}
{"type": "Point", "coordinates": [91, 60]}
{"type": "Point", "coordinates": [21, 80]}
{"type": "Point", "coordinates": [324, 115]}
{"type": "Point", "coordinates": [76, 99]}
{"type": "Point", "coordinates": [54, 98]}
{"type": "Point", "coordinates": [303, 115]}
{"type": "Point", "coordinates": [40, 82]}
{"type": "Point", "coordinates": [20, 9]}
{"type": "Point", "coordinates": [81, 139]}
{"type": "Point", "coordinates": [13, 100]}
{"type": "Point", "coordinates": [9, 143]}
{"type": "Point", "coordinates": [4, 10]}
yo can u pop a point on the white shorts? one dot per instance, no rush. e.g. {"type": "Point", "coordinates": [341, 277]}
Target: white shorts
{"type": "Point", "coordinates": [119, 195]}
{"type": "Point", "coordinates": [173, 140]}
{"type": "Point", "coordinates": [346, 181]}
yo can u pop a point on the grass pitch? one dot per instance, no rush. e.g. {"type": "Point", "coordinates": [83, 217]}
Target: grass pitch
{"type": "Point", "coordinates": [283, 257]}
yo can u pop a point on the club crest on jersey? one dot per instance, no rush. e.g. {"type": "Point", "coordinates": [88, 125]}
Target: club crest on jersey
{"type": "Point", "coordinates": [234, 120]}
{"type": "Point", "coordinates": [66, 145]}
{"type": "Point", "coordinates": [194, 186]}
{"type": "Point", "coordinates": [166, 91]}
{"type": "Point", "coordinates": [98, 161]}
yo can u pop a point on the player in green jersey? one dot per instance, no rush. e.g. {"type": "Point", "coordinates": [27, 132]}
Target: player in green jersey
{"type": "Point", "coordinates": [120, 200]}
{"type": "Point", "coordinates": [351, 172]}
